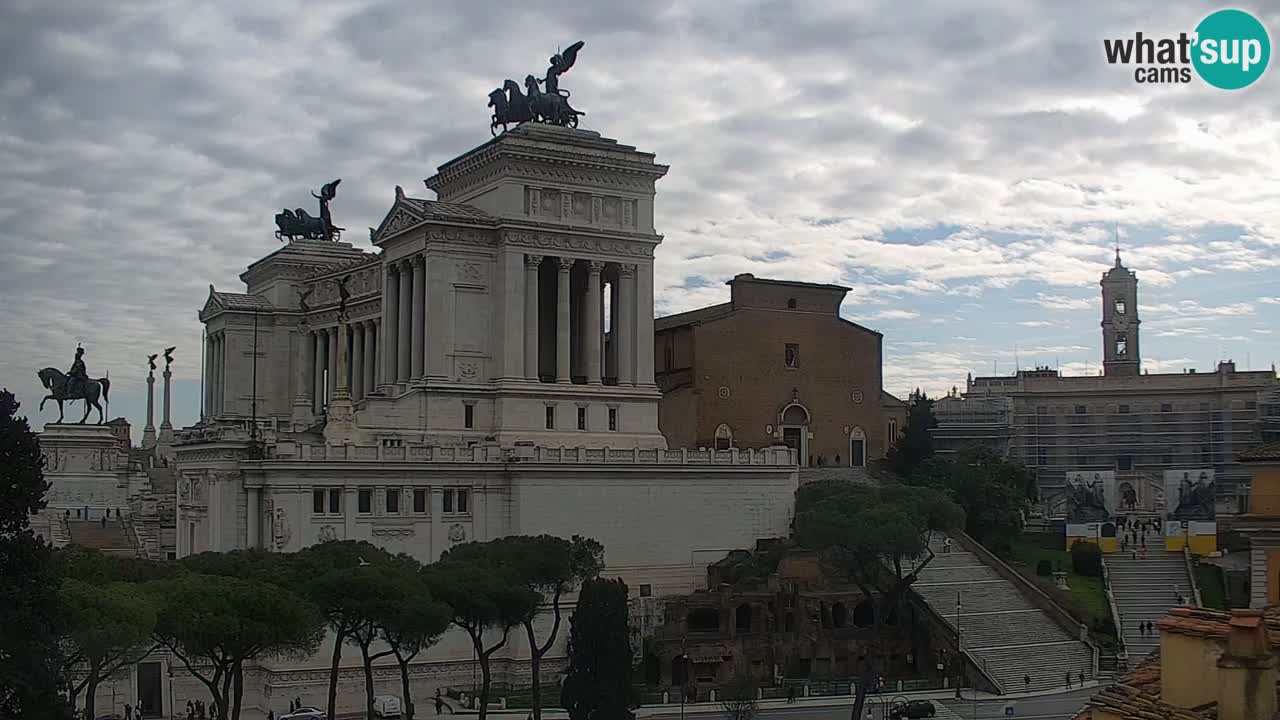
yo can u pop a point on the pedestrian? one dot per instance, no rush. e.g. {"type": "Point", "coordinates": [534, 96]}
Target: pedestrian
{"type": "Point", "coordinates": [1144, 552]}
{"type": "Point", "coordinates": [103, 520]}
{"type": "Point", "coordinates": [946, 545]}
{"type": "Point", "coordinates": [297, 701]}
{"type": "Point", "coordinates": [791, 694]}
{"type": "Point", "coordinates": [1134, 553]}
{"type": "Point", "coordinates": [1026, 680]}
{"type": "Point", "coordinates": [1068, 679]}
{"type": "Point", "coordinates": [291, 708]}
{"type": "Point", "coordinates": [439, 703]}
{"type": "Point", "coordinates": [271, 715]}
{"type": "Point", "coordinates": [1144, 541]}
{"type": "Point", "coordinates": [128, 711]}
{"type": "Point", "coordinates": [139, 709]}
{"type": "Point", "coordinates": [1081, 678]}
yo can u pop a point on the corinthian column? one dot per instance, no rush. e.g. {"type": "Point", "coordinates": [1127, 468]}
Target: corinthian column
{"type": "Point", "coordinates": [149, 432]}
{"type": "Point", "coordinates": [416, 325]}
{"type": "Point", "coordinates": [333, 363]}
{"type": "Point", "coordinates": [320, 355]}
{"type": "Point", "coordinates": [357, 362]}
{"type": "Point", "coordinates": [627, 325]}
{"type": "Point", "coordinates": [391, 325]}
{"type": "Point", "coordinates": [564, 265]}
{"type": "Point", "coordinates": [531, 264]}
{"type": "Point", "coordinates": [370, 355]}
{"type": "Point", "coordinates": [404, 333]}
{"type": "Point", "coordinates": [591, 337]}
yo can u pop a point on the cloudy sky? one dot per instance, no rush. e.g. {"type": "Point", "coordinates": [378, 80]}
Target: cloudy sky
{"type": "Point", "coordinates": [963, 166]}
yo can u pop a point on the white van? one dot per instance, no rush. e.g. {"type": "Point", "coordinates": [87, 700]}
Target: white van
{"type": "Point", "coordinates": [386, 706]}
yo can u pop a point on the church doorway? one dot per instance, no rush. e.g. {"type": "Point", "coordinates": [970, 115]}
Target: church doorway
{"type": "Point", "coordinates": [149, 689]}
{"type": "Point", "coordinates": [857, 448]}
{"type": "Point", "coordinates": [795, 431]}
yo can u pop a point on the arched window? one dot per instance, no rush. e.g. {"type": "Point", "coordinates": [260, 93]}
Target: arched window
{"type": "Point", "coordinates": [893, 430]}
{"type": "Point", "coordinates": [742, 618]}
{"type": "Point", "coordinates": [791, 303]}
{"type": "Point", "coordinates": [795, 415]}
{"type": "Point", "coordinates": [864, 614]}
{"type": "Point", "coordinates": [724, 437]}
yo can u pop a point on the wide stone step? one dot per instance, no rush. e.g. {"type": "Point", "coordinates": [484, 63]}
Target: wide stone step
{"type": "Point", "coordinates": [974, 597]}
{"type": "Point", "coordinates": [979, 631]}
{"type": "Point", "coordinates": [959, 574]}
{"type": "Point", "coordinates": [1046, 665]}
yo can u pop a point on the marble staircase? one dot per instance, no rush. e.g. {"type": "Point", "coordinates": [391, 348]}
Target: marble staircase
{"type": "Point", "coordinates": [1144, 590]}
{"type": "Point", "coordinates": [111, 539]}
{"type": "Point", "coordinates": [999, 627]}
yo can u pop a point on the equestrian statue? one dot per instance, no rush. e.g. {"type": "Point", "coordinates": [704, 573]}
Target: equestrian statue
{"type": "Point", "coordinates": [549, 105]}
{"type": "Point", "coordinates": [298, 223]}
{"type": "Point", "coordinates": [74, 385]}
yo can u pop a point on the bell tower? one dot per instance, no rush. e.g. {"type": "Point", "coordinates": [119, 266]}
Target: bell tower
{"type": "Point", "coordinates": [1120, 350]}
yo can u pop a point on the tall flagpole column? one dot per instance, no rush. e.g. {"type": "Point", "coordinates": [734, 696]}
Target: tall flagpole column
{"type": "Point", "coordinates": [390, 325]}
{"type": "Point", "coordinates": [149, 432]}
{"type": "Point", "coordinates": [626, 325]}
{"type": "Point", "coordinates": [531, 265]}
{"type": "Point", "coordinates": [563, 265]}
{"type": "Point", "coordinates": [591, 336]}
{"type": "Point", "coordinates": [417, 327]}
{"type": "Point", "coordinates": [404, 333]}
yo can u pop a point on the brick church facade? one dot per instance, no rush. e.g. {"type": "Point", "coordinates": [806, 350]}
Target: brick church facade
{"type": "Point", "coordinates": [775, 365]}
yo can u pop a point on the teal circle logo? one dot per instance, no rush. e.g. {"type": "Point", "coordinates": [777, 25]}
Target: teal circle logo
{"type": "Point", "coordinates": [1231, 49]}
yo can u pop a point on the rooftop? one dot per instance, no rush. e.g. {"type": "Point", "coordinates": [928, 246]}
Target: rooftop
{"type": "Point", "coordinates": [693, 317]}
{"type": "Point", "coordinates": [1262, 453]}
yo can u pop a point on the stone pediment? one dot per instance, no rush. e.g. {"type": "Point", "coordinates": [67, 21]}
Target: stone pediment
{"type": "Point", "coordinates": [408, 212]}
{"type": "Point", "coordinates": [218, 302]}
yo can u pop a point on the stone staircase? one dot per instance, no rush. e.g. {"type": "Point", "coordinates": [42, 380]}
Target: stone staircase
{"type": "Point", "coordinates": [1144, 590]}
{"type": "Point", "coordinates": [999, 627]}
{"type": "Point", "coordinates": [113, 539]}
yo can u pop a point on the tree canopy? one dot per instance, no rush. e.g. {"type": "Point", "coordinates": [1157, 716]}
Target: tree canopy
{"type": "Point", "coordinates": [106, 628]}
{"type": "Point", "coordinates": [597, 685]}
{"type": "Point", "coordinates": [993, 492]}
{"type": "Point", "coordinates": [916, 444]}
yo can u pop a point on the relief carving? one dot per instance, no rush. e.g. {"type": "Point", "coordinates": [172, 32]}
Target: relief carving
{"type": "Point", "coordinates": [328, 534]}
{"type": "Point", "coordinates": [401, 220]}
{"type": "Point", "coordinates": [469, 271]}
{"type": "Point", "coordinates": [457, 533]}
{"type": "Point", "coordinates": [393, 532]}
{"type": "Point", "coordinates": [467, 369]}
{"type": "Point", "coordinates": [280, 531]}
{"type": "Point", "coordinates": [583, 244]}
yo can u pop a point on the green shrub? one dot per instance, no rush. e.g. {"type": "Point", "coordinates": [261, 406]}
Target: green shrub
{"type": "Point", "coordinates": [1044, 568]}
{"type": "Point", "coordinates": [1086, 559]}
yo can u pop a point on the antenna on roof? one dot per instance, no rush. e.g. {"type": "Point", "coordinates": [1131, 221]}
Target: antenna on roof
{"type": "Point", "coordinates": [1117, 231]}
{"type": "Point", "coordinates": [1017, 365]}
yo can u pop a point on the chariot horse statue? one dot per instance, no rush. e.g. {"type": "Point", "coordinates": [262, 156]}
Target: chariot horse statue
{"type": "Point", "coordinates": [75, 385]}
{"type": "Point", "coordinates": [551, 106]}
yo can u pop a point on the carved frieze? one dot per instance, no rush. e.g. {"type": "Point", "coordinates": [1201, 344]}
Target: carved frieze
{"type": "Point", "coordinates": [470, 272]}
{"type": "Point", "coordinates": [468, 369]}
{"type": "Point", "coordinates": [391, 532]}
{"type": "Point", "coordinates": [549, 242]}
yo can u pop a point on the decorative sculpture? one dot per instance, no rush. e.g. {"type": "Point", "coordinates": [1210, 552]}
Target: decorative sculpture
{"type": "Point", "coordinates": [74, 385]}
{"type": "Point", "coordinates": [294, 224]}
{"type": "Point", "coordinates": [343, 294]}
{"type": "Point", "coordinates": [550, 106]}
{"type": "Point", "coordinates": [1196, 499]}
{"type": "Point", "coordinates": [151, 360]}
{"type": "Point", "coordinates": [168, 356]}
{"type": "Point", "coordinates": [1085, 503]}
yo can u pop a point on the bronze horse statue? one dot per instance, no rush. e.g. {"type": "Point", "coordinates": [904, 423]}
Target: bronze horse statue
{"type": "Point", "coordinates": [55, 382]}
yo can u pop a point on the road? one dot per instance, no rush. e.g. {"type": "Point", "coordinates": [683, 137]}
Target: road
{"type": "Point", "coordinates": [1048, 707]}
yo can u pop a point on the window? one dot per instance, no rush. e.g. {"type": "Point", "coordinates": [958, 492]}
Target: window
{"type": "Point", "coordinates": [791, 303]}
{"type": "Point", "coordinates": [1166, 459]}
{"type": "Point", "coordinates": [613, 419]}
{"type": "Point", "coordinates": [393, 501]}
{"type": "Point", "coordinates": [1081, 409]}
{"type": "Point", "coordinates": [317, 501]}
{"type": "Point", "coordinates": [582, 418]}
{"type": "Point", "coordinates": [1120, 306]}
{"type": "Point", "coordinates": [462, 501]}
{"type": "Point", "coordinates": [1042, 410]}
{"type": "Point", "coordinates": [1124, 462]}
{"type": "Point", "coordinates": [1122, 344]}
{"type": "Point", "coordinates": [419, 501]}
{"type": "Point", "coordinates": [335, 501]}
{"type": "Point", "coordinates": [646, 591]}
{"type": "Point", "coordinates": [469, 416]}
{"type": "Point", "coordinates": [1166, 407]}
{"type": "Point", "coordinates": [448, 501]}
{"type": "Point", "coordinates": [1250, 405]}
{"type": "Point", "coordinates": [1124, 409]}
{"type": "Point", "coordinates": [364, 501]}
{"type": "Point", "coordinates": [455, 501]}
{"type": "Point", "coordinates": [893, 429]}
{"type": "Point", "coordinates": [668, 356]}
{"type": "Point", "coordinates": [791, 356]}
{"type": "Point", "coordinates": [1042, 456]}
{"type": "Point", "coordinates": [551, 418]}
{"type": "Point", "coordinates": [1205, 457]}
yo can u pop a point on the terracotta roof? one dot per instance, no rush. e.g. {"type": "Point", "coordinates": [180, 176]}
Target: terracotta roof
{"type": "Point", "coordinates": [1262, 453]}
{"type": "Point", "coordinates": [1134, 704]}
{"type": "Point", "coordinates": [693, 317]}
{"type": "Point", "coordinates": [1199, 622]}
{"type": "Point", "coordinates": [241, 301]}
{"type": "Point", "coordinates": [436, 210]}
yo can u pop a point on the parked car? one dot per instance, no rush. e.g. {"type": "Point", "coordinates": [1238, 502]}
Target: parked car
{"type": "Point", "coordinates": [912, 709]}
{"type": "Point", "coordinates": [304, 713]}
{"type": "Point", "coordinates": [386, 706]}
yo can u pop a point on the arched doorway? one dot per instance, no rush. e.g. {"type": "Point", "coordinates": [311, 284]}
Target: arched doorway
{"type": "Point", "coordinates": [857, 448]}
{"type": "Point", "coordinates": [724, 437]}
{"type": "Point", "coordinates": [793, 422]}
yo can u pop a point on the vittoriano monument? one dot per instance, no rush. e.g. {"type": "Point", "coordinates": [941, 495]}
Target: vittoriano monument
{"type": "Point", "coordinates": [74, 385]}
{"type": "Point", "coordinates": [550, 106]}
{"type": "Point", "coordinates": [298, 223]}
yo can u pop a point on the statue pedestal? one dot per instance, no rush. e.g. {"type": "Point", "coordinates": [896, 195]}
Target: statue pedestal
{"type": "Point", "coordinates": [340, 419]}
{"type": "Point", "coordinates": [302, 415]}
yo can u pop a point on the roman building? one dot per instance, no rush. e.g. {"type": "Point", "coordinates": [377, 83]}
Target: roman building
{"type": "Point", "coordinates": [1137, 424]}
{"type": "Point", "coordinates": [776, 364]}
{"type": "Point", "coordinates": [456, 385]}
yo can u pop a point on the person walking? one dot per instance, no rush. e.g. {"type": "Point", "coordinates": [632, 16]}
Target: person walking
{"type": "Point", "coordinates": [1068, 679]}
{"type": "Point", "coordinates": [128, 711]}
{"type": "Point", "coordinates": [439, 703]}
{"type": "Point", "coordinates": [271, 715]}
{"type": "Point", "coordinates": [1081, 678]}
{"type": "Point", "coordinates": [1026, 680]}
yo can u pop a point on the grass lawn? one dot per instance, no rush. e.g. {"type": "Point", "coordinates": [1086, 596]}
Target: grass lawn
{"type": "Point", "coordinates": [1086, 600]}
{"type": "Point", "coordinates": [1212, 592]}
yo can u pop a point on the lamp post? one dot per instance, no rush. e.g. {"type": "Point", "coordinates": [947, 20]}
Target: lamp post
{"type": "Point", "coordinates": [684, 673]}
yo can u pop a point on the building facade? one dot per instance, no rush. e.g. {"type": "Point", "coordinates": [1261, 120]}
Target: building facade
{"type": "Point", "coordinates": [457, 385]}
{"type": "Point", "coordinates": [1137, 424]}
{"type": "Point", "coordinates": [775, 365]}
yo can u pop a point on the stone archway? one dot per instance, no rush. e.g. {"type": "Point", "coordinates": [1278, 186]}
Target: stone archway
{"type": "Point", "coordinates": [857, 448]}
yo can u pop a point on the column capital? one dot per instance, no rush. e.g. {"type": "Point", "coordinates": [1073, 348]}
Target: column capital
{"type": "Point", "coordinates": [417, 260]}
{"type": "Point", "coordinates": [532, 261]}
{"type": "Point", "coordinates": [392, 270]}
{"type": "Point", "coordinates": [626, 270]}
{"type": "Point", "coordinates": [595, 267]}
{"type": "Point", "coordinates": [565, 264]}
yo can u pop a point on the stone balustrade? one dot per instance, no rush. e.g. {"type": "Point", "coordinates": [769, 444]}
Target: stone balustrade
{"type": "Point", "coordinates": [491, 453]}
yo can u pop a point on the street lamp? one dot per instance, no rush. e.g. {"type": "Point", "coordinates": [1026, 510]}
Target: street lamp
{"type": "Point", "coordinates": [684, 677]}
